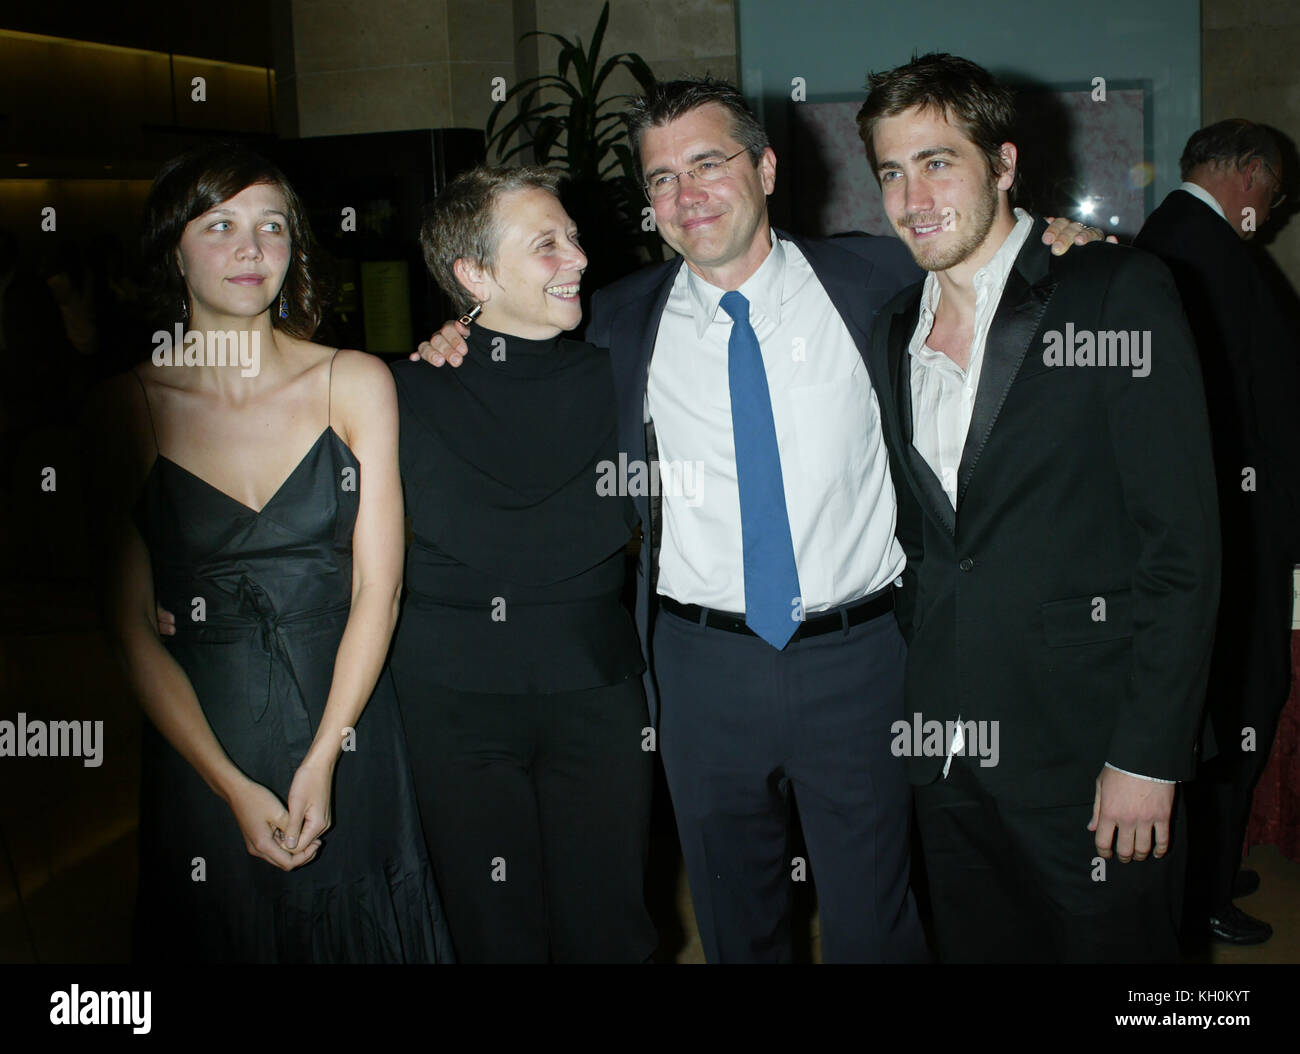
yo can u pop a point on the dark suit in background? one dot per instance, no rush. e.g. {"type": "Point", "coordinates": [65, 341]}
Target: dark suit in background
{"type": "Point", "coordinates": [1070, 598]}
{"type": "Point", "coordinates": [1248, 352]}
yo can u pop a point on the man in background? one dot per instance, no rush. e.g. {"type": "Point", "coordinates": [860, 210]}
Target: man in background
{"type": "Point", "coordinates": [1232, 182]}
{"type": "Point", "coordinates": [1056, 502]}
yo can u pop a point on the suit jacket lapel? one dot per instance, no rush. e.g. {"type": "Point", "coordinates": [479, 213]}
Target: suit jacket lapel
{"type": "Point", "coordinates": [1019, 312]}
{"type": "Point", "coordinates": [852, 284]}
{"type": "Point", "coordinates": [643, 320]}
{"type": "Point", "coordinates": [644, 317]}
{"type": "Point", "coordinates": [924, 482]}
{"type": "Point", "coordinates": [901, 327]}
{"type": "Point", "coordinates": [844, 286]}
{"type": "Point", "coordinates": [846, 293]}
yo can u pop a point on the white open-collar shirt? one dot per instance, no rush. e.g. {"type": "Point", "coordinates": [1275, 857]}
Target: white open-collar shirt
{"type": "Point", "coordinates": [838, 491]}
{"type": "Point", "coordinates": [943, 394]}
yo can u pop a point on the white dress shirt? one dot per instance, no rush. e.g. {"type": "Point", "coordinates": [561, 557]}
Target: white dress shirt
{"type": "Point", "coordinates": [834, 466]}
{"type": "Point", "coordinates": [943, 394]}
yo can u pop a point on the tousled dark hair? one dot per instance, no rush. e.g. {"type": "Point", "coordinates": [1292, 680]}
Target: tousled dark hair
{"type": "Point", "coordinates": [668, 100]}
{"type": "Point", "coordinates": [201, 179]}
{"type": "Point", "coordinates": [1235, 142]}
{"type": "Point", "coordinates": [969, 97]}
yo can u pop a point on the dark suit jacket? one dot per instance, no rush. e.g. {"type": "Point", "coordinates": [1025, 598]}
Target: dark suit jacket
{"type": "Point", "coordinates": [1250, 358]}
{"type": "Point", "coordinates": [859, 273]}
{"type": "Point", "coordinates": [1076, 484]}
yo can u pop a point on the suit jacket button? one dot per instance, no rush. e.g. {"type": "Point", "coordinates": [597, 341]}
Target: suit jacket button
{"type": "Point", "coordinates": [966, 564]}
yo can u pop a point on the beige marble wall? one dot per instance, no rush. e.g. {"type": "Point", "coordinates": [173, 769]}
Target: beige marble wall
{"type": "Point", "coordinates": [347, 66]}
{"type": "Point", "coordinates": [676, 37]}
{"type": "Point", "coordinates": [1249, 69]}
{"type": "Point", "coordinates": [482, 37]}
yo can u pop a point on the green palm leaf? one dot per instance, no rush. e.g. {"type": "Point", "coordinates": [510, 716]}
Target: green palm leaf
{"type": "Point", "coordinates": [564, 119]}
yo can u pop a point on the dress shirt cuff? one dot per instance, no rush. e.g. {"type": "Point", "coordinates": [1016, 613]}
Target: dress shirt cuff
{"type": "Point", "coordinates": [1138, 775]}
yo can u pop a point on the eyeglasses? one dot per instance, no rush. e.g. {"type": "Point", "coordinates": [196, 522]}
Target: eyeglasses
{"type": "Point", "coordinates": [1277, 182]}
{"type": "Point", "coordinates": [665, 183]}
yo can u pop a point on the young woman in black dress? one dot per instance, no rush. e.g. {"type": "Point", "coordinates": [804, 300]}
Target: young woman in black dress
{"type": "Point", "coordinates": [259, 502]}
{"type": "Point", "coordinates": [517, 667]}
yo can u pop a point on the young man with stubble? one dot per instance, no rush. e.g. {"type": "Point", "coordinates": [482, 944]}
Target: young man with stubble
{"type": "Point", "coordinates": [1048, 436]}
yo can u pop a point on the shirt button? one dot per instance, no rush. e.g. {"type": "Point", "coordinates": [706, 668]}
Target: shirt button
{"type": "Point", "coordinates": [966, 564]}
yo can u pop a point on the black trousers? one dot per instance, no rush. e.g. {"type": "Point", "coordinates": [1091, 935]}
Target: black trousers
{"type": "Point", "coordinates": [536, 810]}
{"type": "Point", "coordinates": [1015, 884]}
{"type": "Point", "coordinates": [747, 733]}
{"type": "Point", "coordinates": [1249, 684]}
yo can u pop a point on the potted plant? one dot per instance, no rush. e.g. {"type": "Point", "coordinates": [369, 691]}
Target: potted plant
{"type": "Point", "coordinates": [565, 121]}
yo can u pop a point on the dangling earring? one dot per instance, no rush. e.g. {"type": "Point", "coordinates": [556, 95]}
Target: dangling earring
{"type": "Point", "coordinates": [284, 305]}
{"type": "Point", "coordinates": [185, 308]}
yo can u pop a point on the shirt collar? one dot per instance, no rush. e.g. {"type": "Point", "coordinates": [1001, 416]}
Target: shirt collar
{"type": "Point", "coordinates": [763, 289]}
{"type": "Point", "coordinates": [1201, 194]}
{"type": "Point", "coordinates": [992, 277]}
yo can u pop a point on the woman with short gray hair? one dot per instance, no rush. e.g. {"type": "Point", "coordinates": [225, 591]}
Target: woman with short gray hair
{"type": "Point", "coordinates": [517, 666]}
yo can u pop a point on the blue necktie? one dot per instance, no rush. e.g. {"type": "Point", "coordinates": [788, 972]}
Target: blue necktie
{"type": "Point", "coordinates": [772, 605]}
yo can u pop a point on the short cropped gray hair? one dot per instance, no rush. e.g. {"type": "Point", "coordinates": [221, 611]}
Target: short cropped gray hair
{"type": "Point", "coordinates": [1232, 142]}
{"type": "Point", "coordinates": [461, 222]}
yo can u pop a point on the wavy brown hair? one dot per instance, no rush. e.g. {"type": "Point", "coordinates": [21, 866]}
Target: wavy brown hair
{"type": "Point", "coordinates": [201, 179]}
{"type": "Point", "coordinates": [970, 99]}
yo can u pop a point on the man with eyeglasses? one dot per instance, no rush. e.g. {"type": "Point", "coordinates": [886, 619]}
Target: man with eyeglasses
{"type": "Point", "coordinates": [764, 598]}
{"type": "Point", "coordinates": [1232, 182]}
{"type": "Point", "coordinates": [777, 659]}
{"type": "Point", "coordinates": [766, 607]}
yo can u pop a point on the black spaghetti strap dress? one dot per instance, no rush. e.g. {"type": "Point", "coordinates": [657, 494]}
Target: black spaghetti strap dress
{"type": "Point", "coordinates": [261, 599]}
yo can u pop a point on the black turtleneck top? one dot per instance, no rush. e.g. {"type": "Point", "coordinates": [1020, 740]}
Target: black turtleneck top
{"type": "Point", "coordinates": [515, 574]}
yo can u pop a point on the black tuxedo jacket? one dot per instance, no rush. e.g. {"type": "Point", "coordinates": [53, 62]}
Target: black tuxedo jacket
{"type": "Point", "coordinates": [1071, 595]}
{"type": "Point", "coordinates": [1250, 358]}
{"type": "Point", "coordinates": [859, 273]}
